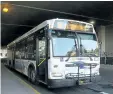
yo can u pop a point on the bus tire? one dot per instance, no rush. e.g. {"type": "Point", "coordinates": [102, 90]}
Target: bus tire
{"type": "Point", "coordinates": [33, 76]}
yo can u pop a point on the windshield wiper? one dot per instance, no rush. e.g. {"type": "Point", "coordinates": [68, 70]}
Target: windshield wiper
{"type": "Point", "coordinates": [75, 46]}
{"type": "Point", "coordinates": [70, 53]}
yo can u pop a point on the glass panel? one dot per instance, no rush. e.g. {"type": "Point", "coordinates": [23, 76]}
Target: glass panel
{"type": "Point", "coordinates": [60, 24]}
{"type": "Point", "coordinates": [77, 26]}
{"type": "Point", "coordinates": [42, 49]}
{"type": "Point", "coordinates": [73, 25]}
{"type": "Point", "coordinates": [63, 46]}
{"type": "Point", "coordinates": [30, 48]}
{"type": "Point", "coordinates": [88, 44]}
{"type": "Point", "coordinates": [64, 43]}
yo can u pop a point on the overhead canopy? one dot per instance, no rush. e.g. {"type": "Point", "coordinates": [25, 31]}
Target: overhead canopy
{"type": "Point", "coordinates": [24, 15]}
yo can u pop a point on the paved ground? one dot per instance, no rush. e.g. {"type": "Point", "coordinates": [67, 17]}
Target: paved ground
{"type": "Point", "coordinates": [10, 84]}
{"type": "Point", "coordinates": [105, 86]}
{"type": "Point", "coordinates": [13, 82]}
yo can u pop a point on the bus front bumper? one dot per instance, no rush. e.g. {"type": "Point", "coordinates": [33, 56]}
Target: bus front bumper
{"type": "Point", "coordinates": [89, 80]}
{"type": "Point", "coordinates": [68, 82]}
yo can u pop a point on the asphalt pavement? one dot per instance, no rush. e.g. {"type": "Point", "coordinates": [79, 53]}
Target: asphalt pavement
{"type": "Point", "coordinates": [104, 86]}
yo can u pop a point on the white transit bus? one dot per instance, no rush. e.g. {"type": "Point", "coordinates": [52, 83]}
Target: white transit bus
{"type": "Point", "coordinates": [58, 53]}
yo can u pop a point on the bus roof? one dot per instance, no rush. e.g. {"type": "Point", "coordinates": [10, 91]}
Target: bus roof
{"type": "Point", "coordinates": [43, 24]}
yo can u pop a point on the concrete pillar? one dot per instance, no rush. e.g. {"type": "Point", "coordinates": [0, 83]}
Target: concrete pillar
{"type": "Point", "coordinates": [101, 38]}
{"type": "Point", "coordinates": [109, 40]}
{"type": "Point", "coordinates": [109, 44]}
{"type": "Point", "coordinates": [105, 35]}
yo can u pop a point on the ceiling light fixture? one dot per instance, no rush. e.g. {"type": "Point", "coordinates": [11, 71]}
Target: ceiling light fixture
{"type": "Point", "coordinates": [5, 9]}
{"type": "Point", "coordinates": [92, 22]}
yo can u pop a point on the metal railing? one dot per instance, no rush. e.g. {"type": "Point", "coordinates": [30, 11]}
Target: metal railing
{"type": "Point", "coordinates": [82, 76]}
{"type": "Point", "coordinates": [90, 75]}
{"type": "Point", "coordinates": [106, 58]}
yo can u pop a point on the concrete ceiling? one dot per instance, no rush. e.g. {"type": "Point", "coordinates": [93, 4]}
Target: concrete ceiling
{"type": "Point", "coordinates": [32, 17]}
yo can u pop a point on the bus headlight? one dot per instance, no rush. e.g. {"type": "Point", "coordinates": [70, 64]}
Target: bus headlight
{"type": "Point", "coordinates": [56, 74]}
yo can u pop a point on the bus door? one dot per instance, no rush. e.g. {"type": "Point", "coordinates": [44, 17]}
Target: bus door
{"type": "Point", "coordinates": [41, 58]}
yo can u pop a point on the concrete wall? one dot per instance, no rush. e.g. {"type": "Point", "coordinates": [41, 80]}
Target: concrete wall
{"type": "Point", "coordinates": [109, 40]}
{"type": "Point", "coordinates": [101, 38]}
{"type": "Point", "coordinates": [105, 35]}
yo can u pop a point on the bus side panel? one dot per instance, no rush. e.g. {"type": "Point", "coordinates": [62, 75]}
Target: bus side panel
{"type": "Point", "coordinates": [18, 65]}
{"type": "Point", "coordinates": [22, 65]}
{"type": "Point", "coordinates": [26, 64]}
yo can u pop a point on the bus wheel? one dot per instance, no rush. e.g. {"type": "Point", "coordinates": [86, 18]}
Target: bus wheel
{"type": "Point", "coordinates": [33, 76]}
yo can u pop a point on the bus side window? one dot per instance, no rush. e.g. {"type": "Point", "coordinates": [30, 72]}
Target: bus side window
{"type": "Point", "coordinates": [23, 49]}
{"type": "Point", "coordinates": [17, 53]}
{"type": "Point", "coordinates": [42, 46]}
{"type": "Point", "coordinates": [42, 49]}
{"type": "Point", "coordinates": [30, 54]}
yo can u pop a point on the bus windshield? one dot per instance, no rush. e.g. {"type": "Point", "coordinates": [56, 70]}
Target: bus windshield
{"type": "Point", "coordinates": [88, 44]}
{"type": "Point", "coordinates": [64, 43]}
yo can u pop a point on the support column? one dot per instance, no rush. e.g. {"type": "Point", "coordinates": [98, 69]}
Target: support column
{"type": "Point", "coordinates": [109, 44]}
{"type": "Point", "coordinates": [101, 38]}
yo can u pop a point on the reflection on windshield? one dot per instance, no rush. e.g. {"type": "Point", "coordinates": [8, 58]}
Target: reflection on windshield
{"type": "Point", "coordinates": [88, 45]}
{"type": "Point", "coordinates": [66, 43]}
{"type": "Point", "coordinates": [64, 46]}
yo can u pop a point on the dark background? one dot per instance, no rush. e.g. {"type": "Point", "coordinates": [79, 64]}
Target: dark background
{"type": "Point", "coordinates": [32, 17]}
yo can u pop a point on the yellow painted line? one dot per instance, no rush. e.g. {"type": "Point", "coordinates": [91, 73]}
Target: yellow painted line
{"type": "Point", "coordinates": [42, 62]}
{"type": "Point", "coordinates": [23, 82]}
{"type": "Point", "coordinates": [36, 92]}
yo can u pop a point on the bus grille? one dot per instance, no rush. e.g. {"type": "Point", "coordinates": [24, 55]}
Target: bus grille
{"type": "Point", "coordinates": [87, 65]}
{"type": "Point", "coordinates": [70, 65]}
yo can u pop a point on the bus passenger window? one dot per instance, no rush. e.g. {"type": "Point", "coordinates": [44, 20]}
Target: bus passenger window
{"type": "Point", "coordinates": [30, 48]}
{"type": "Point", "coordinates": [42, 48]}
